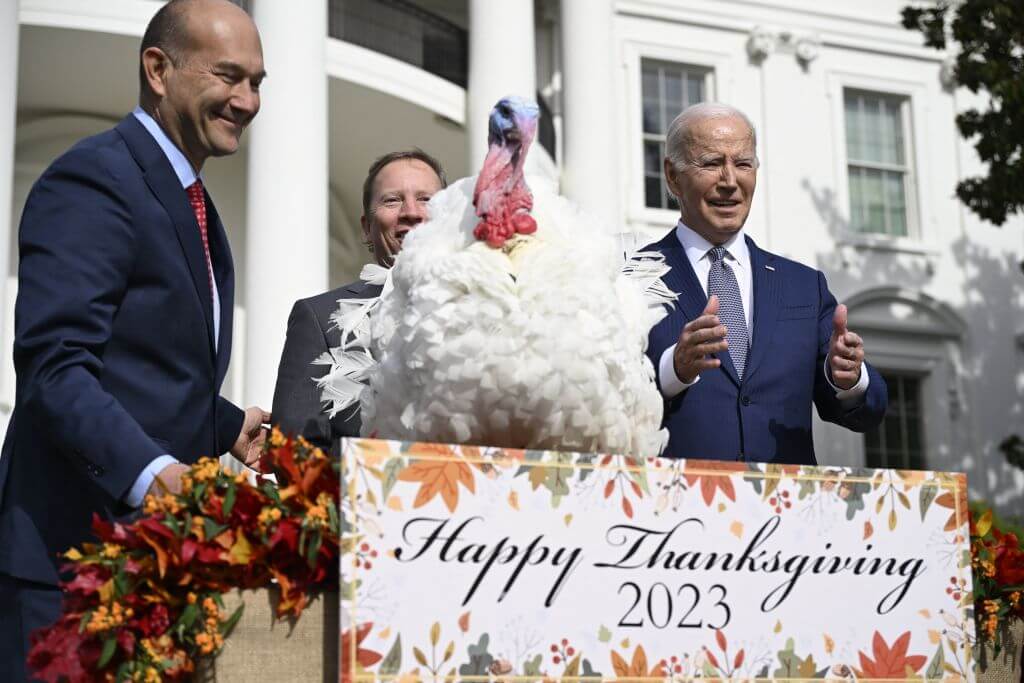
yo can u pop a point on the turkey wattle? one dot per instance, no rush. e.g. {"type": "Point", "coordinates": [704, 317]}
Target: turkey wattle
{"type": "Point", "coordinates": [507, 320]}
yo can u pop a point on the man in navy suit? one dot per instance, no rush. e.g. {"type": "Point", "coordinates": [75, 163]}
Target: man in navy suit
{"type": "Point", "coordinates": [123, 316]}
{"type": "Point", "coordinates": [754, 339]}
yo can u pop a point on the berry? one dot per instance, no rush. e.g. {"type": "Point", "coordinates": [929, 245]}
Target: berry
{"type": "Point", "coordinates": [570, 652]}
{"type": "Point", "coordinates": [369, 566]}
{"type": "Point", "coordinates": [556, 659]}
{"type": "Point", "coordinates": [788, 504]}
{"type": "Point", "coordinates": [678, 669]}
{"type": "Point", "coordinates": [773, 500]}
{"type": "Point", "coordinates": [364, 547]}
{"type": "Point", "coordinates": [565, 641]}
{"type": "Point", "coordinates": [554, 648]}
{"type": "Point", "coordinates": [785, 494]}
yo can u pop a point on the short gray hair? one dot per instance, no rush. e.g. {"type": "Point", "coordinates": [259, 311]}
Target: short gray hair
{"type": "Point", "coordinates": [678, 137]}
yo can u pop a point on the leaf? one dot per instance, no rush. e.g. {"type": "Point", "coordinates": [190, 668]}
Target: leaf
{"type": "Point", "coordinates": [619, 665]}
{"type": "Point", "coordinates": [420, 657]}
{"type": "Point", "coordinates": [229, 501]}
{"type": "Point", "coordinates": [770, 484]}
{"type": "Point", "coordinates": [720, 639]}
{"type": "Point", "coordinates": [627, 507]}
{"type": "Point", "coordinates": [892, 519]}
{"type": "Point", "coordinates": [572, 669]}
{"type": "Point", "coordinates": [537, 475]}
{"type": "Point", "coordinates": [241, 551]}
{"type": "Point", "coordinates": [935, 637]}
{"type": "Point", "coordinates": [868, 529]}
{"type": "Point", "coordinates": [109, 646]}
{"type": "Point", "coordinates": [513, 499]}
{"type": "Point", "coordinates": [395, 503]}
{"type": "Point", "coordinates": [926, 497]}
{"type": "Point", "coordinates": [738, 661]}
{"type": "Point", "coordinates": [603, 634]}
{"type": "Point", "coordinates": [624, 644]}
{"type": "Point", "coordinates": [228, 626]}
{"type": "Point", "coordinates": [984, 523]}
{"type": "Point", "coordinates": [449, 651]}
{"type": "Point", "coordinates": [903, 499]}
{"type": "Point", "coordinates": [392, 662]}
{"type": "Point", "coordinates": [736, 529]}
{"type": "Point", "coordinates": [925, 613]}
{"type": "Point", "coordinates": [480, 659]}
{"type": "Point", "coordinates": [531, 667]}
{"type": "Point", "coordinates": [830, 645]}
{"type": "Point", "coordinates": [464, 622]}
{"type": "Point", "coordinates": [879, 503]}
{"type": "Point", "coordinates": [435, 633]}
{"type": "Point", "coordinates": [807, 667]}
{"type": "Point", "coordinates": [567, 519]}
{"type": "Point", "coordinates": [608, 488]}
{"type": "Point", "coordinates": [778, 627]}
{"type": "Point", "coordinates": [391, 470]}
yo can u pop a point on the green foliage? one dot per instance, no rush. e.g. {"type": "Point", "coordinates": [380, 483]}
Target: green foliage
{"type": "Point", "coordinates": [990, 37]}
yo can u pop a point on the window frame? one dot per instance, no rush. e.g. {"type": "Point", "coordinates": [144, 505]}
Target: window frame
{"type": "Point", "coordinates": [913, 115]}
{"type": "Point", "coordinates": [717, 70]}
{"type": "Point", "coordinates": [921, 380]}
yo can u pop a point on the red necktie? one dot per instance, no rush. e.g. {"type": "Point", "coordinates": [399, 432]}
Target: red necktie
{"type": "Point", "coordinates": [197, 198]}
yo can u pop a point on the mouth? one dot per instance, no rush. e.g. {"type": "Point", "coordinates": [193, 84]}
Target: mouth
{"type": "Point", "coordinates": [724, 204]}
{"type": "Point", "coordinates": [228, 121]}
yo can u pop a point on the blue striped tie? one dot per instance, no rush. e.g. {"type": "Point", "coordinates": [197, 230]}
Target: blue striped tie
{"type": "Point", "coordinates": [722, 281]}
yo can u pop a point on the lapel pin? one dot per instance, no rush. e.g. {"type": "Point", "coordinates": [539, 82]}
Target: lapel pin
{"type": "Point", "coordinates": [767, 267]}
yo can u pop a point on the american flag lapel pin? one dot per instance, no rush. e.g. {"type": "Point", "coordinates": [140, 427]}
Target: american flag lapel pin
{"type": "Point", "coordinates": [767, 267]}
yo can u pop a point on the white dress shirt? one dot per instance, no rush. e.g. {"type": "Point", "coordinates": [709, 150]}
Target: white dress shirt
{"type": "Point", "coordinates": [737, 257]}
{"type": "Point", "coordinates": [186, 176]}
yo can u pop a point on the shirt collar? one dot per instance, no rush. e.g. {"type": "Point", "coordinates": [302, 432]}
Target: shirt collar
{"type": "Point", "coordinates": [182, 168]}
{"type": "Point", "coordinates": [697, 247]}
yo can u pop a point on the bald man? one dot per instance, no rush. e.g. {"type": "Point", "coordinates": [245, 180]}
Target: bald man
{"type": "Point", "coordinates": [123, 316]}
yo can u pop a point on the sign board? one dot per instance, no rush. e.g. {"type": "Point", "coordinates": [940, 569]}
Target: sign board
{"type": "Point", "coordinates": [488, 564]}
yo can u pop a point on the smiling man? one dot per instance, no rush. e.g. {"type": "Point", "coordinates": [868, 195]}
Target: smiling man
{"type": "Point", "coordinates": [754, 339]}
{"type": "Point", "coordinates": [395, 195]}
{"type": "Point", "coordinates": [124, 308]}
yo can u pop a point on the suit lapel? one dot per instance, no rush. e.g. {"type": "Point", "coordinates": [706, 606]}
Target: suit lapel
{"type": "Point", "coordinates": [767, 302]}
{"type": "Point", "coordinates": [692, 300]}
{"type": "Point", "coordinates": [163, 182]}
{"type": "Point", "coordinates": [224, 274]}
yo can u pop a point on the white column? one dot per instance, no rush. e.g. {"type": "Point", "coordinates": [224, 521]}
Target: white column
{"type": "Point", "coordinates": [590, 168]}
{"type": "Point", "coordinates": [502, 61]}
{"type": "Point", "coordinates": [8, 110]}
{"type": "Point", "coordinates": [286, 250]}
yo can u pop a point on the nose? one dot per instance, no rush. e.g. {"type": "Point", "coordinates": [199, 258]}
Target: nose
{"type": "Point", "coordinates": [245, 99]}
{"type": "Point", "coordinates": [413, 211]}
{"type": "Point", "coordinates": [727, 179]}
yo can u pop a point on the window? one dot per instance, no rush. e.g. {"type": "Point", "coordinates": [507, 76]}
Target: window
{"type": "Point", "coordinates": [667, 89]}
{"type": "Point", "coordinates": [877, 162]}
{"type": "Point", "coordinates": [896, 443]}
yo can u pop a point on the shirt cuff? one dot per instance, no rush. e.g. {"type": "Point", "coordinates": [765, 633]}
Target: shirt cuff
{"type": "Point", "coordinates": [671, 385]}
{"type": "Point", "coordinates": [142, 483]}
{"type": "Point", "coordinates": [852, 397]}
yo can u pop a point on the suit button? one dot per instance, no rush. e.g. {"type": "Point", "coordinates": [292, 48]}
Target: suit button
{"type": "Point", "coordinates": [745, 400]}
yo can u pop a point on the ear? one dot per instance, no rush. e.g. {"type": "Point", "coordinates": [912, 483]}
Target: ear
{"type": "Point", "coordinates": [671, 176]}
{"type": "Point", "coordinates": [156, 66]}
{"type": "Point", "coordinates": [365, 224]}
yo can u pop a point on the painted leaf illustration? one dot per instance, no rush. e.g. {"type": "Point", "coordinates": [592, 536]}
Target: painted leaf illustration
{"type": "Point", "coordinates": [868, 530]}
{"type": "Point", "coordinates": [637, 668]}
{"type": "Point", "coordinates": [439, 477]}
{"type": "Point", "coordinates": [392, 663]}
{"type": "Point", "coordinates": [464, 622]}
{"type": "Point", "coordinates": [710, 482]}
{"type": "Point", "coordinates": [889, 662]}
{"type": "Point", "coordinates": [603, 634]}
{"type": "Point", "coordinates": [349, 645]}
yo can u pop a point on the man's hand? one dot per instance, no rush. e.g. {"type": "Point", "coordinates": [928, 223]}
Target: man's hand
{"type": "Point", "coordinates": [701, 337]}
{"type": "Point", "coordinates": [249, 443]}
{"type": "Point", "coordinates": [168, 480]}
{"type": "Point", "coordinates": [845, 352]}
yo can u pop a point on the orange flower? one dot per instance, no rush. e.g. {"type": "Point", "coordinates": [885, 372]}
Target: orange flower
{"type": "Point", "coordinates": [890, 662]}
{"type": "Point", "coordinates": [638, 667]}
{"type": "Point", "coordinates": [711, 481]}
{"type": "Point", "coordinates": [439, 477]}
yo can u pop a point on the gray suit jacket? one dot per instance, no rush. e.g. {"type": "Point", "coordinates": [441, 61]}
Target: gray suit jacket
{"type": "Point", "coordinates": [297, 409]}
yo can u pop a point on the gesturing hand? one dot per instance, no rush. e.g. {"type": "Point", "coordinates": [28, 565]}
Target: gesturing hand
{"type": "Point", "coordinates": [249, 443]}
{"type": "Point", "coordinates": [845, 352]}
{"type": "Point", "coordinates": [701, 337]}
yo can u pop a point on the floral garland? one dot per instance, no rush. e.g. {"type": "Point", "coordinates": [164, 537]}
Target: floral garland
{"type": "Point", "coordinates": [145, 601]}
{"type": "Point", "coordinates": [997, 563]}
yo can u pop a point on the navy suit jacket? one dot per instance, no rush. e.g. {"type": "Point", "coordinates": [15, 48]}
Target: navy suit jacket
{"type": "Point", "coordinates": [297, 408]}
{"type": "Point", "coordinates": [766, 417]}
{"type": "Point", "coordinates": [114, 348]}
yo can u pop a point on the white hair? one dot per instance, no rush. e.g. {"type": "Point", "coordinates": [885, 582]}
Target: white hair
{"type": "Point", "coordinates": [679, 136]}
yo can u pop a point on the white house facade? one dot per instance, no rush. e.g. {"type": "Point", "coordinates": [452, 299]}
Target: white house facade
{"type": "Point", "coordinates": [856, 137]}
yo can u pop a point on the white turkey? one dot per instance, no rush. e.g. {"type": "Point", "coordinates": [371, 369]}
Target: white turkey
{"type": "Point", "coordinates": [509, 319]}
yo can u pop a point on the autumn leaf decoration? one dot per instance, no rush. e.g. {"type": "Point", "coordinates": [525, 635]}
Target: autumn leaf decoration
{"type": "Point", "coordinates": [890, 662]}
{"type": "Point", "coordinates": [638, 667]}
{"type": "Point", "coordinates": [711, 481]}
{"type": "Point", "coordinates": [439, 477]}
{"type": "Point", "coordinates": [352, 654]}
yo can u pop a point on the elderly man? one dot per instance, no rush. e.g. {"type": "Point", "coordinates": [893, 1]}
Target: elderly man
{"type": "Point", "coordinates": [123, 316]}
{"type": "Point", "coordinates": [755, 338]}
{"type": "Point", "coordinates": [395, 195]}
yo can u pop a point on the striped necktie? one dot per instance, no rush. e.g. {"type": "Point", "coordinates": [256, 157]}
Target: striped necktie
{"type": "Point", "coordinates": [722, 281]}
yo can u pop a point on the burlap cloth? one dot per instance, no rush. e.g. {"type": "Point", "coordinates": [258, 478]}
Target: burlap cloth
{"type": "Point", "coordinates": [1006, 668]}
{"type": "Point", "coordinates": [260, 649]}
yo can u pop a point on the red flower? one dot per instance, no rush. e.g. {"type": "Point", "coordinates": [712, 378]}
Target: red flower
{"type": "Point", "coordinates": [890, 662]}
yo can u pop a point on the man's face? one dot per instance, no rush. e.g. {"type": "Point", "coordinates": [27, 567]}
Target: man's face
{"type": "Point", "coordinates": [212, 94]}
{"type": "Point", "coordinates": [716, 185]}
{"type": "Point", "coordinates": [398, 204]}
